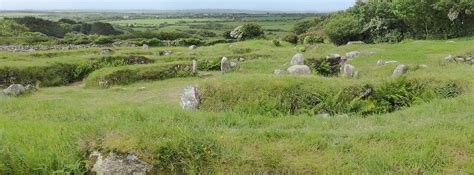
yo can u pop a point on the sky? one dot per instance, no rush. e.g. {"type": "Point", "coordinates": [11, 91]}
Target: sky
{"type": "Point", "coordinates": [260, 5]}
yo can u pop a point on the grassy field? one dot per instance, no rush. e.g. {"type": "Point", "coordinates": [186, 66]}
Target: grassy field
{"type": "Point", "coordinates": [54, 129]}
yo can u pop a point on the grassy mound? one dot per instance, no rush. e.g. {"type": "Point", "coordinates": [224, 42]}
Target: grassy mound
{"type": "Point", "coordinates": [308, 95]}
{"type": "Point", "coordinates": [129, 74]}
{"type": "Point", "coordinates": [57, 74]}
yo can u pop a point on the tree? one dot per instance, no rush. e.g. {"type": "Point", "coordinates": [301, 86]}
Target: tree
{"type": "Point", "coordinates": [100, 28]}
{"type": "Point", "coordinates": [247, 31]}
{"type": "Point", "coordinates": [343, 27]}
{"type": "Point", "coordinates": [43, 26]}
{"type": "Point", "coordinates": [291, 38]}
{"type": "Point", "coordinates": [303, 26]}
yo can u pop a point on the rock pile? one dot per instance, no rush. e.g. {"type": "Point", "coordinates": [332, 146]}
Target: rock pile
{"type": "Point", "coordinates": [460, 59]}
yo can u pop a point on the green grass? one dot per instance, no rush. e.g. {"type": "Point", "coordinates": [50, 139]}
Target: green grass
{"type": "Point", "coordinates": [54, 129]}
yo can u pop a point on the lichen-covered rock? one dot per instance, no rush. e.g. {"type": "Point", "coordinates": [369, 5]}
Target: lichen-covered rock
{"type": "Point", "coordinates": [195, 67]}
{"type": "Point", "coordinates": [380, 63]}
{"type": "Point", "coordinates": [392, 62]}
{"type": "Point", "coordinates": [145, 46]}
{"type": "Point", "coordinates": [113, 164]}
{"type": "Point", "coordinates": [349, 70]}
{"type": "Point", "coordinates": [298, 59]}
{"type": "Point", "coordinates": [14, 90]}
{"type": "Point", "coordinates": [400, 70]}
{"type": "Point", "coordinates": [225, 65]}
{"type": "Point", "coordinates": [191, 98]}
{"type": "Point", "coordinates": [192, 47]}
{"type": "Point", "coordinates": [299, 70]}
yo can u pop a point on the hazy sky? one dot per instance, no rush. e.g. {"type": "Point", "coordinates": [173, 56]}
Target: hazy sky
{"type": "Point", "coordinates": [266, 5]}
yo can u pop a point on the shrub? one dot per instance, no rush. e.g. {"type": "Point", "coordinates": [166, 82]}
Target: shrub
{"type": "Point", "coordinates": [103, 40]}
{"type": "Point", "coordinates": [191, 41]}
{"type": "Point", "coordinates": [276, 43]}
{"type": "Point", "coordinates": [291, 38]}
{"type": "Point", "coordinates": [43, 26]}
{"type": "Point", "coordinates": [210, 65]}
{"type": "Point", "coordinates": [342, 28]}
{"type": "Point", "coordinates": [124, 75]}
{"type": "Point", "coordinates": [303, 26]}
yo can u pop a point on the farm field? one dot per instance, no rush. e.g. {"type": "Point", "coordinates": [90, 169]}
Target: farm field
{"type": "Point", "coordinates": [55, 129]}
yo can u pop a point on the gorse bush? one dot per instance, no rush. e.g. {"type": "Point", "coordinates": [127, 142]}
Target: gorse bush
{"type": "Point", "coordinates": [287, 95]}
{"type": "Point", "coordinates": [291, 38]}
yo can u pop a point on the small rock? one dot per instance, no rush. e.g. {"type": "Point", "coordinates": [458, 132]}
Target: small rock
{"type": "Point", "coordinates": [298, 59]}
{"type": "Point", "coordinates": [355, 42]}
{"type": "Point", "coordinates": [392, 62]}
{"type": "Point", "coordinates": [242, 59]}
{"type": "Point", "coordinates": [114, 164]}
{"type": "Point", "coordinates": [30, 88]}
{"type": "Point", "coordinates": [191, 98]}
{"type": "Point", "coordinates": [349, 71]}
{"type": "Point", "coordinates": [106, 52]}
{"type": "Point", "coordinates": [380, 63]}
{"type": "Point", "coordinates": [145, 46]}
{"type": "Point", "coordinates": [279, 72]}
{"type": "Point", "coordinates": [459, 59]}
{"type": "Point", "coordinates": [299, 70]}
{"type": "Point", "coordinates": [422, 66]}
{"type": "Point", "coordinates": [400, 70]}
{"type": "Point", "coordinates": [192, 47]}
{"type": "Point", "coordinates": [233, 64]}
{"type": "Point", "coordinates": [449, 58]}
{"type": "Point", "coordinates": [225, 65]}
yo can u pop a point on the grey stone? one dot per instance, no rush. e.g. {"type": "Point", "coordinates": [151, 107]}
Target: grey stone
{"type": "Point", "coordinates": [192, 47]}
{"type": "Point", "coordinates": [449, 58]}
{"type": "Point", "coordinates": [355, 42]}
{"type": "Point", "coordinates": [422, 66]}
{"type": "Point", "coordinates": [333, 56]}
{"type": "Point", "coordinates": [380, 63]}
{"type": "Point", "coordinates": [353, 54]}
{"type": "Point", "coordinates": [145, 46]}
{"type": "Point", "coordinates": [299, 70]}
{"type": "Point", "coordinates": [242, 59]}
{"type": "Point", "coordinates": [195, 67]}
{"type": "Point", "coordinates": [191, 98]}
{"type": "Point", "coordinates": [106, 52]}
{"type": "Point", "coordinates": [349, 70]}
{"type": "Point", "coordinates": [113, 164]}
{"type": "Point", "coordinates": [225, 65]}
{"type": "Point", "coordinates": [392, 62]}
{"type": "Point", "coordinates": [400, 70]}
{"type": "Point", "coordinates": [279, 72]}
{"type": "Point", "coordinates": [14, 90]}
{"type": "Point", "coordinates": [297, 59]}
{"type": "Point", "coordinates": [459, 59]}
